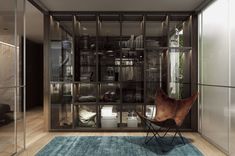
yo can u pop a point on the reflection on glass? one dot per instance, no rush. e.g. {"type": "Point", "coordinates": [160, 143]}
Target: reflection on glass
{"type": "Point", "coordinates": [156, 35]}
{"type": "Point", "coordinates": [153, 73]}
{"type": "Point", "coordinates": [109, 49]}
{"type": "Point", "coordinates": [179, 56]}
{"type": "Point", "coordinates": [7, 121]}
{"type": "Point", "coordinates": [86, 116]}
{"type": "Point", "coordinates": [85, 92]}
{"type": "Point", "coordinates": [132, 66]}
{"type": "Point", "coordinates": [129, 116]}
{"type": "Point", "coordinates": [133, 92]}
{"type": "Point", "coordinates": [110, 116]}
{"type": "Point", "coordinates": [110, 92]}
{"type": "Point", "coordinates": [61, 50]}
{"type": "Point", "coordinates": [85, 50]}
{"type": "Point", "coordinates": [132, 37]}
{"type": "Point", "coordinates": [150, 111]}
{"type": "Point", "coordinates": [61, 105]}
{"type": "Point", "coordinates": [11, 130]}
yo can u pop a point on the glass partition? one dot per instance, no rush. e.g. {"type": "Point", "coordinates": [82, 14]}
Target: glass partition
{"type": "Point", "coordinates": [12, 125]}
{"type": "Point", "coordinates": [215, 73]}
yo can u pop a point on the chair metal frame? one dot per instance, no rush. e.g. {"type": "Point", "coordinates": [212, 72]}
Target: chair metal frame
{"type": "Point", "coordinates": [162, 125]}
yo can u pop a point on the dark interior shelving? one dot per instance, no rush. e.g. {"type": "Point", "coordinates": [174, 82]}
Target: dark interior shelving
{"type": "Point", "coordinates": [116, 63]}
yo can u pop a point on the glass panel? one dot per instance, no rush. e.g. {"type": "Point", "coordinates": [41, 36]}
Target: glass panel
{"type": "Point", "coordinates": [180, 31]}
{"type": "Point", "coordinates": [9, 77]}
{"type": "Point", "coordinates": [85, 93]}
{"type": "Point", "coordinates": [232, 106]}
{"type": "Point", "coordinates": [61, 47]}
{"type": "Point", "coordinates": [85, 50]}
{"type": "Point", "coordinates": [86, 116]}
{"type": "Point", "coordinates": [129, 116]}
{"type": "Point", "coordinates": [215, 45]}
{"type": "Point", "coordinates": [110, 116]}
{"type": "Point", "coordinates": [232, 128]}
{"type": "Point", "coordinates": [7, 44]}
{"type": "Point", "coordinates": [109, 50]}
{"type": "Point", "coordinates": [215, 108]}
{"type": "Point", "coordinates": [179, 74]}
{"type": "Point", "coordinates": [132, 65]}
{"type": "Point", "coordinates": [133, 92]}
{"type": "Point", "coordinates": [132, 48]}
{"type": "Point", "coordinates": [7, 124]}
{"type": "Point", "coordinates": [132, 33]}
{"type": "Point", "coordinates": [156, 35]}
{"type": "Point", "coordinates": [20, 119]}
{"type": "Point", "coordinates": [215, 71]}
{"type": "Point", "coordinates": [19, 74]}
{"type": "Point", "coordinates": [110, 92]}
{"type": "Point", "coordinates": [153, 73]}
{"type": "Point", "coordinates": [61, 105]}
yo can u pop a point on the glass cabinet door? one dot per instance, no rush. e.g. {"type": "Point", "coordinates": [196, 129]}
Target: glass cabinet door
{"type": "Point", "coordinates": [129, 117]}
{"type": "Point", "coordinates": [85, 48]}
{"type": "Point", "coordinates": [179, 56]}
{"type": "Point", "coordinates": [132, 63]}
{"type": "Point", "coordinates": [62, 67]}
{"type": "Point", "coordinates": [61, 49]}
{"type": "Point", "coordinates": [109, 48]}
{"type": "Point", "coordinates": [61, 105]}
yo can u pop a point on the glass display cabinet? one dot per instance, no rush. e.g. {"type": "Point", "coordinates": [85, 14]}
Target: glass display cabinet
{"type": "Point", "coordinates": [105, 67]}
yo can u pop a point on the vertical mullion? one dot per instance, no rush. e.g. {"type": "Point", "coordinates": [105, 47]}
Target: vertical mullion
{"type": "Point", "coordinates": [15, 92]}
{"type": "Point", "coordinates": [24, 75]}
{"type": "Point", "coordinates": [121, 83]}
{"type": "Point", "coordinates": [73, 65]}
{"type": "Point", "coordinates": [97, 84]}
{"type": "Point", "coordinates": [145, 61]}
{"type": "Point", "coordinates": [166, 57]}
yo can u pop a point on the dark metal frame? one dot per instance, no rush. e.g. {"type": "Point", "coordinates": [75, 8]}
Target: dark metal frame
{"type": "Point", "coordinates": [148, 124]}
{"type": "Point", "coordinates": [146, 16]}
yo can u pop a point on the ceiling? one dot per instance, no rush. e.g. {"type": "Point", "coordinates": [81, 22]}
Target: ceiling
{"type": "Point", "coordinates": [121, 5]}
{"type": "Point", "coordinates": [34, 23]}
{"type": "Point", "coordinates": [34, 18]}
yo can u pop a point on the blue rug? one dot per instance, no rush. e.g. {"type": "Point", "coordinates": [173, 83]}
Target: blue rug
{"type": "Point", "coordinates": [116, 146]}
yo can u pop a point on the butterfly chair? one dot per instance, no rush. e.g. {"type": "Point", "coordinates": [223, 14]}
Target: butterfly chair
{"type": "Point", "coordinates": [170, 114]}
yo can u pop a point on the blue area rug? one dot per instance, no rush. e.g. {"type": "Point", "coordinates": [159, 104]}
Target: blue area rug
{"type": "Point", "coordinates": [116, 146]}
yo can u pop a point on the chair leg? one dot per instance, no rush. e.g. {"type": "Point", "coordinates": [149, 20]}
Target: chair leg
{"type": "Point", "coordinates": [150, 128]}
{"type": "Point", "coordinates": [146, 137]}
{"type": "Point", "coordinates": [180, 135]}
{"type": "Point", "coordinates": [165, 133]}
{"type": "Point", "coordinates": [173, 138]}
{"type": "Point", "coordinates": [178, 131]}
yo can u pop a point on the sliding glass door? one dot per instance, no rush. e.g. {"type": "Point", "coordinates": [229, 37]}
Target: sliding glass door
{"type": "Point", "coordinates": [11, 77]}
